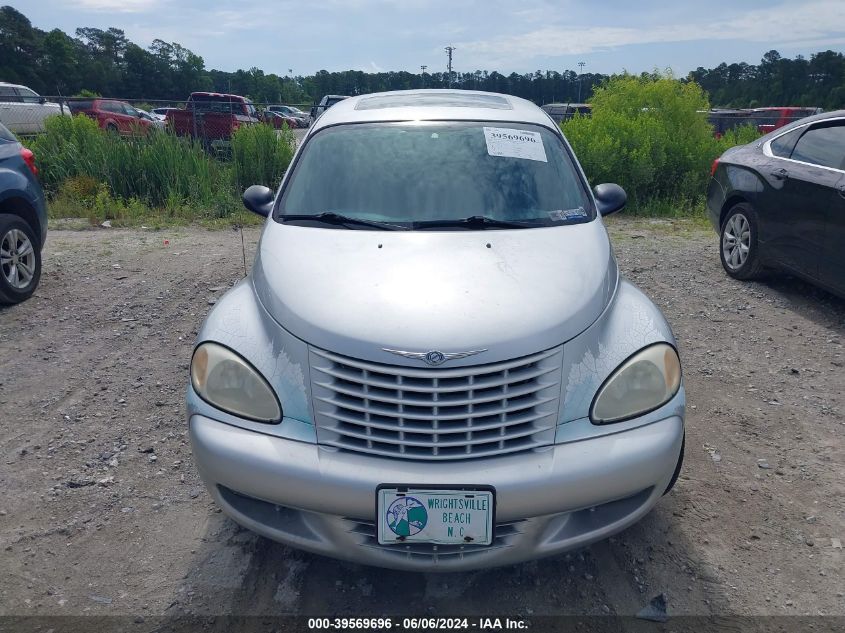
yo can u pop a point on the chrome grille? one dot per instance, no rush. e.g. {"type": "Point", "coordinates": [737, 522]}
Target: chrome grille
{"type": "Point", "coordinates": [436, 414]}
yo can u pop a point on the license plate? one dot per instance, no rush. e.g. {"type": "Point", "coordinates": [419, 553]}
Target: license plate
{"type": "Point", "coordinates": [435, 515]}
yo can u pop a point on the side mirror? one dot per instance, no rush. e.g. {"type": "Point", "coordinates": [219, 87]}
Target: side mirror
{"type": "Point", "coordinates": [610, 198]}
{"type": "Point", "coordinates": [259, 199]}
{"type": "Point", "coordinates": [42, 100]}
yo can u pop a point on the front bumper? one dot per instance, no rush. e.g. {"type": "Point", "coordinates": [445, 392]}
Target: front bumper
{"type": "Point", "coordinates": [547, 501]}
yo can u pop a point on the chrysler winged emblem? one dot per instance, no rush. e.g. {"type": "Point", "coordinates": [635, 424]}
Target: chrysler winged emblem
{"type": "Point", "coordinates": [434, 357]}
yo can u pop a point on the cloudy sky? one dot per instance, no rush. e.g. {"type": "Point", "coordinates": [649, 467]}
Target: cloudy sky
{"type": "Point", "coordinates": [520, 36]}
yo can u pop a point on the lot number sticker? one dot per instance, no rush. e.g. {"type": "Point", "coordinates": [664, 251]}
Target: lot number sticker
{"type": "Point", "coordinates": [502, 141]}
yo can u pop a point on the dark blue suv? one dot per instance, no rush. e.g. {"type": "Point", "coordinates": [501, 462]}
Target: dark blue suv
{"type": "Point", "coordinates": [23, 220]}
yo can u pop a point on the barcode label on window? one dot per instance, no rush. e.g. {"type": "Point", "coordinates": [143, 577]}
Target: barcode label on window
{"type": "Point", "coordinates": [510, 143]}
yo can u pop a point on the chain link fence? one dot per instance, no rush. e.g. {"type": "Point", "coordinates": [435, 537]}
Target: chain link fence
{"type": "Point", "coordinates": [212, 120]}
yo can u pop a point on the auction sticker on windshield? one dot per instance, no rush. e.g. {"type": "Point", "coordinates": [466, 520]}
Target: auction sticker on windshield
{"type": "Point", "coordinates": [421, 515]}
{"type": "Point", "coordinates": [502, 141]}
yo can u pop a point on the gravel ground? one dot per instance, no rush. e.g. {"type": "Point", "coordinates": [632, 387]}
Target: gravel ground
{"type": "Point", "coordinates": [103, 512]}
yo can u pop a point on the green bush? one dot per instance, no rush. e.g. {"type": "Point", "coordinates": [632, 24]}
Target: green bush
{"type": "Point", "coordinates": [741, 135]}
{"type": "Point", "coordinates": [109, 176]}
{"type": "Point", "coordinates": [648, 135]}
{"type": "Point", "coordinates": [260, 155]}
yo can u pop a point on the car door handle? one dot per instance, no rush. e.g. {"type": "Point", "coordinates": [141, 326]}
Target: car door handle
{"type": "Point", "coordinates": [780, 174]}
{"type": "Point", "coordinates": [842, 190]}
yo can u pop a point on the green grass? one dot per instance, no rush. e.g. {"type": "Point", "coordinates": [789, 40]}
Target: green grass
{"type": "Point", "coordinates": [154, 179]}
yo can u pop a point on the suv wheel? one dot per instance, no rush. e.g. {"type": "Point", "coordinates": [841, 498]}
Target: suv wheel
{"type": "Point", "coordinates": [20, 260]}
{"type": "Point", "coordinates": [738, 248]}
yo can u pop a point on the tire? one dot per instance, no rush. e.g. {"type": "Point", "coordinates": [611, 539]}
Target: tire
{"type": "Point", "coordinates": [20, 259]}
{"type": "Point", "coordinates": [677, 472]}
{"type": "Point", "coordinates": [738, 246]}
{"type": "Point", "coordinates": [111, 128]}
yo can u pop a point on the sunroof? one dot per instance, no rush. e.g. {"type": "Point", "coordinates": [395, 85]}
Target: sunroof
{"type": "Point", "coordinates": [434, 100]}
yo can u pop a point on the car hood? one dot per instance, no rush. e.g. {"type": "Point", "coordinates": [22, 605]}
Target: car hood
{"type": "Point", "coordinates": [508, 292]}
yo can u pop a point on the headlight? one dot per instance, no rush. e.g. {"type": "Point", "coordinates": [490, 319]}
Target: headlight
{"type": "Point", "coordinates": [647, 380]}
{"type": "Point", "coordinates": [227, 381]}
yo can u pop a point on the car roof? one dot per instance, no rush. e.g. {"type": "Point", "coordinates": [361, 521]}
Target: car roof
{"type": "Point", "coordinates": [815, 118]}
{"type": "Point", "coordinates": [11, 85]}
{"type": "Point", "coordinates": [769, 108]}
{"type": "Point", "coordinates": [218, 94]}
{"type": "Point", "coordinates": [836, 114]}
{"type": "Point", "coordinates": [5, 135]}
{"type": "Point", "coordinates": [434, 105]}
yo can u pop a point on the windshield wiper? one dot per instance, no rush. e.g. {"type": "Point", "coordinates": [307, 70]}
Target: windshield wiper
{"type": "Point", "coordinates": [331, 217]}
{"type": "Point", "coordinates": [475, 221]}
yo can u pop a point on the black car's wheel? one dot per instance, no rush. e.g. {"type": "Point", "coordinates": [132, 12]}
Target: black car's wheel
{"type": "Point", "coordinates": [677, 472]}
{"type": "Point", "coordinates": [738, 243]}
{"type": "Point", "coordinates": [20, 259]}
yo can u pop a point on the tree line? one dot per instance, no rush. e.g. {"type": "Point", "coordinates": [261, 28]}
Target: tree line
{"type": "Point", "coordinates": [776, 80]}
{"type": "Point", "coordinates": [105, 62]}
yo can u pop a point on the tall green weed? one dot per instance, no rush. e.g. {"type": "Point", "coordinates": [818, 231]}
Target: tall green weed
{"type": "Point", "coordinates": [83, 164]}
{"type": "Point", "coordinates": [260, 155]}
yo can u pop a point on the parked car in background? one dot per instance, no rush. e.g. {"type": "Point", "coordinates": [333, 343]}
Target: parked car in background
{"type": "Point", "coordinates": [212, 117]}
{"type": "Point", "coordinates": [325, 103]}
{"type": "Point", "coordinates": [772, 118]}
{"type": "Point", "coordinates": [404, 380]}
{"type": "Point", "coordinates": [23, 111]}
{"type": "Point", "coordinates": [113, 116]}
{"type": "Point", "coordinates": [23, 220]}
{"type": "Point", "coordinates": [279, 120]}
{"type": "Point", "coordinates": [157, 123]}
{"type": "Point", "coordinates": [161, 113]}
{"type": "Point", "coordinates": [290, 111]}
{"type": "Point", "coordinates": [779, 203]}
{"type": "Point", "coordinates": [564, 111]}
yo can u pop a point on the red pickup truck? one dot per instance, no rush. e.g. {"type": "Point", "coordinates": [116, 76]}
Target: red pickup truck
{"type": "Point", "coordinates": [212, 117]}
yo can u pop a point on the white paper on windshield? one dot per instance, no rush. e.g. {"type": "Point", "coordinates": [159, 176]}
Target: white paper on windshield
{"type": "Point", "coordinates": [510, 143]}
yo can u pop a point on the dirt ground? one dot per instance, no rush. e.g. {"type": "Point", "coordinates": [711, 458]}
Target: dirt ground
{"type": "Point", "coordinates": [102, 511]}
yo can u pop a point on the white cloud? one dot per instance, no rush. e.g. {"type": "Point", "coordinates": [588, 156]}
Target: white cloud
{"type": "Point", "coordinates": [813, 23]}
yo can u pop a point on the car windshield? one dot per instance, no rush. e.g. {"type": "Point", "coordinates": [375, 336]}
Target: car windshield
{"type": "Point", "coordinates": [412, 174]}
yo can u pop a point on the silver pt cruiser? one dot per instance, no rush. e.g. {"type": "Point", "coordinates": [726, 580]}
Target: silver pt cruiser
{"type": "Point", "coordinates": [434, 364]}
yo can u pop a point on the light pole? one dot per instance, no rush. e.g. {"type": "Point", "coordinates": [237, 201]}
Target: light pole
{"type": "Point", "coordinates": [449, 50]}
{"type": "Point", "coordinates": [423, 67]}
{"type": "Point", "coordinates": [581, 72]}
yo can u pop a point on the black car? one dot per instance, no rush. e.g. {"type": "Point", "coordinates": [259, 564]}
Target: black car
{"type": "Point", "coordinates": [779, 203]}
